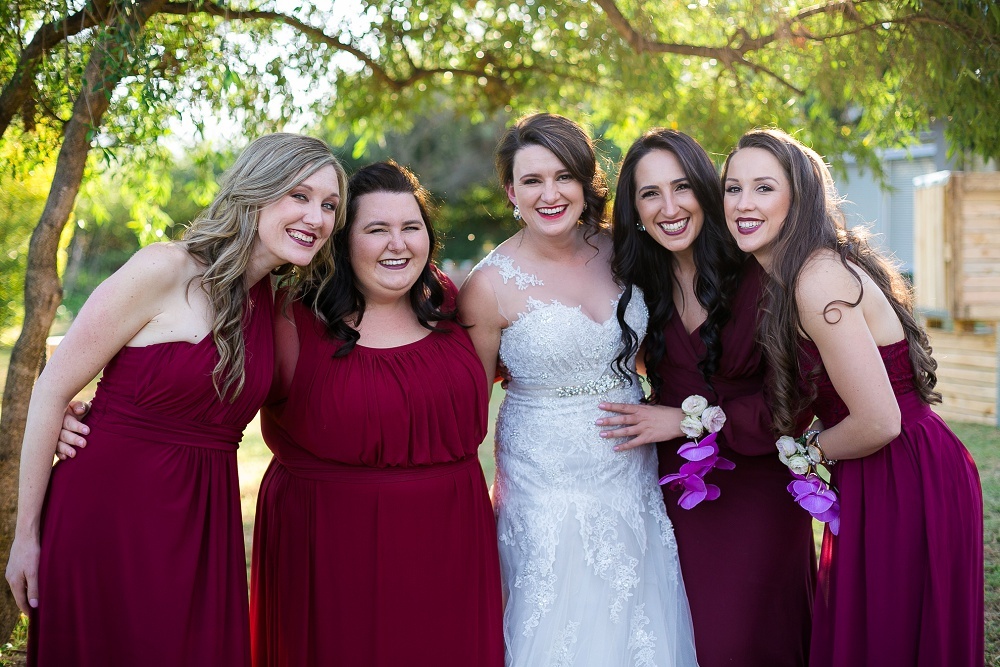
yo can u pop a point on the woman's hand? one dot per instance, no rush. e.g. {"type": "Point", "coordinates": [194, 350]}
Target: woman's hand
{"type": "Point", "coordinates": [22, 572]}
{"type": "Point", "coordinates": [70, 436]}
{"type": "Point", "coordinates": [644, 424]}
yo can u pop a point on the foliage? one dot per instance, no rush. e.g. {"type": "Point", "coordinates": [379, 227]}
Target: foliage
{"type": "Point", "coordinates": [983, 443]}
{"type": "Point", "coordinates": [850, 76]}
{"type": "Point", "coordinates": [21, 202]}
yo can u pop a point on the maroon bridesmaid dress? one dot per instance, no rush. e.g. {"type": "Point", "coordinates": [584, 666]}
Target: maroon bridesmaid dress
{"type": "Point", "coordinates": [375, 542]}
{"type": "Point", "coordinates": [142, 559]}
{"type": "Point", "coordinates": [748, 558]}
{"type": "Point", "coordinates": [902, 583]}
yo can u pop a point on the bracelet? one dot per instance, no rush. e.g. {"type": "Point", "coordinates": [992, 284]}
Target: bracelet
{"type": "Point", "coordinates": [816, 453]}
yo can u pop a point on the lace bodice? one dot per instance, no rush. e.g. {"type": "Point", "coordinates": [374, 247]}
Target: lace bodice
{"type": "Point", "coordinates": [579, 524]}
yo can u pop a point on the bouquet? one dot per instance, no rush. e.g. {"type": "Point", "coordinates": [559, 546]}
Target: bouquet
{"type": "Point", "coordinates": [803, 455]}
{"type": "Point", "coordinates": [702, 455]}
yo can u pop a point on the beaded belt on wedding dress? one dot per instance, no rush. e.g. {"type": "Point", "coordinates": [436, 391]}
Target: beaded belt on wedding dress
{"type": "Point", "coordinates": [603, 384]}
{"type": "Point", "coordinates": [599, 386]}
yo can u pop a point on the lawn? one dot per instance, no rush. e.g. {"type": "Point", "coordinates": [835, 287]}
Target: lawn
{"type": "Point", "coordinates": [982, 441]}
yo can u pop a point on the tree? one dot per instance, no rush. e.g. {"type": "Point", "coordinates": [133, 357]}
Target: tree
{"type": "Point", "coordinates": [103, 75]}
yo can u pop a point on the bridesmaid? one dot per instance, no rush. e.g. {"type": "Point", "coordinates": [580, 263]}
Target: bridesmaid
{"type": "Point", "coordinates": [375, 542]}
{"type": "Point", "coordinates": [902, 582]}
{"type": "Point", "coordinates": [747, 557]}
{"type": "Point", "coordinates": [133, 553]}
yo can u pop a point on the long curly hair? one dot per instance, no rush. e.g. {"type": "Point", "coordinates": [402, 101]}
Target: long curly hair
{"type": "Point", "coordinates": [340, 299]}
{"type": "Point", "coordinates": [223, 237]}
{"type": "Point", "coordinates": [569, 142]}
{"type": "Point", "coordinates": [815, 220]}
{"type": "Point", "coordinates": [640, 260]}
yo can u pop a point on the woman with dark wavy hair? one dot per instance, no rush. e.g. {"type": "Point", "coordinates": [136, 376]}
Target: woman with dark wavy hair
{"type": "Point", "coordinates": [137, 557]}
{"type": "Point", "coordinates": [902, 581]}
{"type": "Point", "coordinates": [375, 542]}
{"type": "Point", "coordinates": [588, 556]}
{"type": "Point", "coordinates": [747, 557]}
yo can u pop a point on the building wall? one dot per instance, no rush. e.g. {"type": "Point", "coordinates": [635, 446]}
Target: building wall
{"type": "Point", "coordinates": [888, 211]}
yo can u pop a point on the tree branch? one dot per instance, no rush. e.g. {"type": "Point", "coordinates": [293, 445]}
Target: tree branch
{"type": "Point", "coordinates": [19, 88]}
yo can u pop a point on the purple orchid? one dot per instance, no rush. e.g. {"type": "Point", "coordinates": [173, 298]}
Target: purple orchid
{"type": "Point", "coordinates": [815, 497]}
{"type": "Point", "coordinates": [703, 457]}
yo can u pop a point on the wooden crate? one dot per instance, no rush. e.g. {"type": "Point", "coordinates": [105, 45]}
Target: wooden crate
{"type": "Point", "coordinates": [956, 266]}
{"type": "Point", "coordinates": [967, 375]}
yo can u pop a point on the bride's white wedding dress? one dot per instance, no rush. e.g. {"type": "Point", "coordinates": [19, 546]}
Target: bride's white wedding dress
{"type": "Point", "coordinates": [587, 553]}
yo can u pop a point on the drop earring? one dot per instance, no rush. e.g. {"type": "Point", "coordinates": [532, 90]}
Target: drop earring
{"type": "Point", "coordinates": [517, 213]}
{"type": "Point", "coordinates": [641, 227]}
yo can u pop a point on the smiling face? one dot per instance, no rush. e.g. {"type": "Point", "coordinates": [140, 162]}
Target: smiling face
{"type": "Point", "coordinates": [389, 245]}
{"type": "Point", "coordinates": [758, 196]}
{"type": "Point", "coordinates": [549, 198]}
{"type": "Point", "coordinates": [666, 203]}
{"type": "Point", "coordinates": [292, 229]}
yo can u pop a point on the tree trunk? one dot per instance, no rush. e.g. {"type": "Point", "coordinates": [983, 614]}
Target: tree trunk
{"type": "Point", "coordinates": [42, 291]}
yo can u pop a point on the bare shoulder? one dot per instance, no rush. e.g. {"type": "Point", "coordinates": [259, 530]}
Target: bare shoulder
{"type": "Point", "coordinates": [824, 278]}
{"type": "Point", "coordinates": [477, 291]}
{"type": "Point", "coordinates": [164, 264]}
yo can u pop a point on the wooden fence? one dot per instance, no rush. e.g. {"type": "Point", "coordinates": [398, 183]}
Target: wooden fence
{"type": "Point", "coordinates": [957, 285]}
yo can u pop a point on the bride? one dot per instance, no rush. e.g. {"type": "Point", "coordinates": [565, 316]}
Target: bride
{"type": "Point", "coordinates": [587, 553]}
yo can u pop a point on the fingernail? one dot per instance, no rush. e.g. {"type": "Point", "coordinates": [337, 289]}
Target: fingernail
{"type": "Point", "coordinates": [80, 442]}
{"type": "Point", "coordinates": [616, 449]}
{"type": "Point", "coordinates": [33, 603]}
{"type": "Point", "coordinates": [86, 430]}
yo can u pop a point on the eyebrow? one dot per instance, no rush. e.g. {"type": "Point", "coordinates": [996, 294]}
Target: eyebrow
{"type": "Point", "coordinates": [673, 182]}
{"type": "Point", "coordinates": [385, 223]}
{"type": "Point", "coordinates": [537, 175]}
{"type": "Point", "coordinates": [755, 180]}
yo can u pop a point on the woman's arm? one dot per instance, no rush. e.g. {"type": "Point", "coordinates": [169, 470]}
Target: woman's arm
{"type": "Point", "coordinates": [850, 356]}
{"type": "Point", "coordinates": [477, 308]}
{"type": "Point", "coordinates": [116, 311]}
{"type": "Point", "coordinates": [645, 424]}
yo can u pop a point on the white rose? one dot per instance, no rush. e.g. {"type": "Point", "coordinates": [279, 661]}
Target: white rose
{"type": "Point", "coordinates": [815, 455]}
{"type": "Point", "coordinates": [691, 426]}
{"type": "Point", "coordinates": [694, 405]}
{"type": "Point", "coordinates": [787, 446]}
{"type": "Point", "coordinates": [798, 464]}
{"type": "Point", "coordinates": [713, 419]}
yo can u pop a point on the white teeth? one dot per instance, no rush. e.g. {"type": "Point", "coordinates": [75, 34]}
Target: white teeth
{"type": "Point", "coordinates": [674, 226]}
{"type": "Point", "coordinates": [748, 224]}
{"type": "Point", "coordinates": [393, 262]}
{"type": "Point", "coordinates": [552, 211]}
{"type": "Point", "coordinates": [301, 236]}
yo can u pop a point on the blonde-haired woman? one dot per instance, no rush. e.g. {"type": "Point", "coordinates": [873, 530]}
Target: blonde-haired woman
{"type": "Point", "coordinates": [133, 553]}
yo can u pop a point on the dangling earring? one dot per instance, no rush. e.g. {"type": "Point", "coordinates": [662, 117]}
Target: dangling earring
{"type": "Point", "coordinates": [584, 207]}
{"type": "Point", "coordinates": [517, 213]}
{"type": "Point", "coordinates": [641, 227]}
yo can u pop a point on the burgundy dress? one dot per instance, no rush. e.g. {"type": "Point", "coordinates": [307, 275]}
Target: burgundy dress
{"type": "Point", "coordinates": [375, 542]}
{"type": "Point", "coordinates": [748, 558]}
{"type": "Point", "coordinates": [902, 584]}
{"type": "Point", "coordinates": [142, 558]}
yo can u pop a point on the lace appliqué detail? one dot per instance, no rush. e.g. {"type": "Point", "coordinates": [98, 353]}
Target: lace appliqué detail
{"type": "Point", "coordinates": [563, 653]}
{"type": "Point", "coordinates": [507, 271]}
{"type": "Point", "coordinates": [641, 642]}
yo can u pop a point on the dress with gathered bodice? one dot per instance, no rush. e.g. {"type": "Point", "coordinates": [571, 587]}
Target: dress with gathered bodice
{"type": "Point", "coordinates": [587, 553]}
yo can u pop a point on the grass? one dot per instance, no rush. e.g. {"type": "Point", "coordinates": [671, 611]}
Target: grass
{"type": "Point", "coordinates": [983, 442]}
